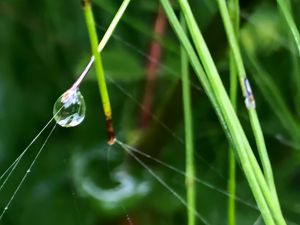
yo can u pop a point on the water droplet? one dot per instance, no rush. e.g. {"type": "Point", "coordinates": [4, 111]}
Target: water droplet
{"type": "Point", "coordinates": [28, 171]}
{"type": "Point", "coordinates": [250, 102]}
{"type": "Point", "coordinates": [69, 108]}
{"type": "Point", "coordinates": [6, 208]}
{"type": "Point", "coordinates": [249, 98]}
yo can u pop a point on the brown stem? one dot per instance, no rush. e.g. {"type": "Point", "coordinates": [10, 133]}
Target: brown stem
{"type": "Point", "coordinates": [111, 138]}
{"type": "Point", "coordinates": [152, 68]}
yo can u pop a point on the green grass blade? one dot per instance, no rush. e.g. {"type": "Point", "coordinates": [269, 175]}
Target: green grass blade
{"type": "Point", "coordinates": [119, 14]}
{"type": "Point", "coordinates": [99, 69]}
{"type": "Point", "coordinates": [250, 166]}
{"type": "Point", "coordinates": [286, 11]}
{"type": "Point", "coordinates": [273, 97]}
{"type": "Point", "coordinates": [238, 143]}
{"type": "Point", "coordinates": [231, 217]}
{"type": "Point", "coordinates": [231, 187]}
{"type": "Point", "coordinates": [140, 26]}
{"type": "Point", "coordinates": [103, 41]}
{"type": "Point", "coordinates": [295, 77]}
{"type": "Point", "coordinates": [189, 137]}
{"type": "Point", "coordinates": [255, 124]}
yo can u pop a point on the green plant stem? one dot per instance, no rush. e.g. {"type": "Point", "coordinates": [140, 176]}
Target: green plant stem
{"type": "Point", "coordinates": [208, 89]}
{"type": "Point", "coordinates": [225, 112]}
{"type": "Point", "coordinates": [231, 187]}
{"type": "Point", "coordinates": [255, 124]}
{"type": "Point", "coordinates": [99, 69]}
{"type": "Point", "coordinates": [244, 150]}
{"type": "Point", "coordinates": [235, 15]}
{"type": "Point", "coordinates": [119, 14]}
{"type": "Point", "coordinates": [189, 137]}
{"type": "Point", "coordinates": [139, 25]}
{"type": "Point", "coordinates": [285, 8]}
{"type": "Point", "coordinates": [295, 76]}
{"type": "Point", "coordinates": [273, 96]}
{"type": "Point", "coordinates": [103, 41]}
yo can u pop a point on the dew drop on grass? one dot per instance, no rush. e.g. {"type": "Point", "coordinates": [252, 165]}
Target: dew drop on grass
{"type": "Point", "coordinates": [69, 108]}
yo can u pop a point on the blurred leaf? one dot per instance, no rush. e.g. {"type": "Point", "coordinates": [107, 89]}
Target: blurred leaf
{"type": "Point", "coordinates": [119, 64]}
{"type": "Point", "coordinates": [263, 31]}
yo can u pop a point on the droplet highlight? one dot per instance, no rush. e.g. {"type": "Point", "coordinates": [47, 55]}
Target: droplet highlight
{"type": "Point", "coordinates": [249, 98]}
{"type": "Point", "coordinates": [69, 109]}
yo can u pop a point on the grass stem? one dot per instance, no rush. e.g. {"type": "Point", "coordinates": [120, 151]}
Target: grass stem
{"type": "Point", "coordinates": [286, 11]}
{"type": "Point", "coordinates": [235, 15]}
{"type": "Point", "coordinates": [255, 124]}
{"type": "Point", "coordinates": [103, 41]}
{"type": "Point", "coordinates": [220, 100]}
{"type": "Point", "coordinates": [189, 137]}
{"type": "Point", "coordinates": [89, 17]}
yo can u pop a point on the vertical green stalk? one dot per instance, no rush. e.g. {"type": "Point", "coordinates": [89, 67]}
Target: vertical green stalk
{"type": "Point", "coordinates": [270, 211]}
{"type": "Point", "coordinates": [113, 24]}
{"type": "Point", "coordinates": [189, 139]}
{"type": "Point", "coordinates": [295, 77]}
{"type": "Point", "coordinates": [235, 14]}
{"type": "Point", "coordinates": [286, 11]}
{"type": "Point", "coordinates": [255, 124]}
{"type": "Point", "coordinates": [294, 44]}
{"type": "Point", "coordinates": [219, 99]}
{"type": "Point", "coordinates": [231, 187]}
{"type": "Point", "coordinates": [273, 96]}
{"type": "Point", "coordinates": [89, 17]}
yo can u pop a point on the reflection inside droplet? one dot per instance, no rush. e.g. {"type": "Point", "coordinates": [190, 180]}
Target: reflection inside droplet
{"type": "Point", "coordinates": [69, 108]}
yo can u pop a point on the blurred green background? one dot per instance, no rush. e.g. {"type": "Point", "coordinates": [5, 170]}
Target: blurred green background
{"type": "Point", "coordinates": [78, 179]}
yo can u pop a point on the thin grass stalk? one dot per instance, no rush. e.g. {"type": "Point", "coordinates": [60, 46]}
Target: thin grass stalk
{"type": "Point", "coordinates": [273, 96]}
{"type": "Point", "coordinates": [189, 137]}
{"type": "Point", "coordinates": [231, 213]}
{"type": "Point", "coordinates": [286, 11]}
{"type": "Point", "coordinates": [231, 187]}
{"type": "Point", "coordinates": [250, 165]}
{"type": "Point", "coordinates": [243, 149]}
{"type": "Point", "coordinates": [89, 17]}
{"type": "Point", "coordinates": [230, 123]}
{"type": "Point", "coordinates": [255, 124]}
{"type": "Point", "coordinates": [231, 157]}
{"type": "Point", "coordinates": [296, 78]}
{"type": "Point", "coordinates": [112, 26]}
{"type": "Point", "coordinates": [138, 25]}
{"type": "Point", "coordinates": [117, 17]}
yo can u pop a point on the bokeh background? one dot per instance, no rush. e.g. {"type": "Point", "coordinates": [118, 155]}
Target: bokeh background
{"type": "Point", "coordinates": [78, 179]}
